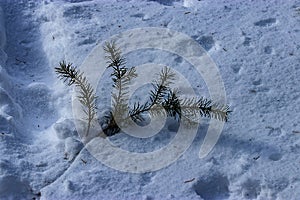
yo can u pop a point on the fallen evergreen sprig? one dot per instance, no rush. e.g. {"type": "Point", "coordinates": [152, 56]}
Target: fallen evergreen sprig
{"type": "Point", "coordinates": [162, 98]}
{"type": "Point", "coordinates": [121, 77]}
{"type": "Point", "coordinates": [70, 74]}
{"type": "Point", "coordinates": [194, 107]}
{"type": "Point", "coordinates": [176, 107]}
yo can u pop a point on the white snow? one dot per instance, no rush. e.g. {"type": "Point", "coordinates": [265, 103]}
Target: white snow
{"type": "Point", "coordinates": [256, 46]}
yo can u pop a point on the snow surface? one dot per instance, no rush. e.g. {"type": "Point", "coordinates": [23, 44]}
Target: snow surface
{"type": "Point", "coordinates": [255, 44]}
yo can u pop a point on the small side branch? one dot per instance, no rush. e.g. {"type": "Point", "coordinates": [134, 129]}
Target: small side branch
{"type": "Point", "coordinates": [70, 74]}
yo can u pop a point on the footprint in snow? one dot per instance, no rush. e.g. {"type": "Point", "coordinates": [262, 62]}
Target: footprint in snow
{"type": "Point", "coordinates": [275, 156]}
{"type": "Point", "coordinates": [213, 187]}
{"type": "Point", "coordinates": [207, 42]}
{"type": "Point", "coordinates": [251, 188]}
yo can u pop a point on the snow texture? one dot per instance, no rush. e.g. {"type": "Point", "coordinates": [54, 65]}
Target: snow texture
{"type": "Point", "coordinates": [255, 44]}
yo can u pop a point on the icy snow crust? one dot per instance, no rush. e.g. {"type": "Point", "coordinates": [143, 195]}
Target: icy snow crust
{"type": "Point", "coordinates": [254, 44]}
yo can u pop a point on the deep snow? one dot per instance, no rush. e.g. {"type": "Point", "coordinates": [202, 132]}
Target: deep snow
{"type": "Point", "coordinates": [255, 44]}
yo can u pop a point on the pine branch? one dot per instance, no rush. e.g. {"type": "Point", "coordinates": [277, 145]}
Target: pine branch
{"type": "Point", "coordinates": [157, 95]}
{"type": "Point", "coordinates": [67, 72]}
{"type": "Point", "coordinates": [161, 87]}
{"type": "Point", "coordinates": [162, 96]}
{"type": "Point", "coordinates": [114, 55]}
{"type": "Point", "coordinates": [121, 77]}
{"type": "Point", "coordinates": [172, 105]}
{"type": "Point", "coordinates": [87, 97]}
{"type": "Point", "coordinates": [220, 112]}
{"type": "Point", "coordinates": [193, 107]}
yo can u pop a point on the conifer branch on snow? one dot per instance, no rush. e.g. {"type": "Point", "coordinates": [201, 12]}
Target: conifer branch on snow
{"type": "Point", "coordinates": [160, 96]}
{"type": "Point", "coordinates": [70, 74]}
